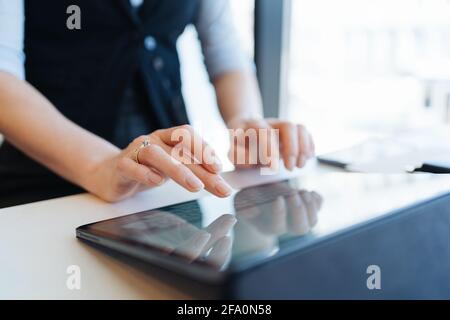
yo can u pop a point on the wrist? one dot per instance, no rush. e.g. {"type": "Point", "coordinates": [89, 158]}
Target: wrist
{"type": "Point", "coordinates": [98, 174]}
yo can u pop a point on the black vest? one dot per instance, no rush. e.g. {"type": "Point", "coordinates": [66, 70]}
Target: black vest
{"type": "Point", "coordinates": [84, 72]}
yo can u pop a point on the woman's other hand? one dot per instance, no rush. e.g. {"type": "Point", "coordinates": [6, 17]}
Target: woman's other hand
{"type": "Point", "coordinates": [275, 138]}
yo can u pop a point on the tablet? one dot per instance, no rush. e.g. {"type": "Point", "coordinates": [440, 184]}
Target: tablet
{"type": "Point", "coordinates": [211, 239]}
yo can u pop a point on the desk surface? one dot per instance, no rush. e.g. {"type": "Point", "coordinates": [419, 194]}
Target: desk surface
{"type": "Point", "coordinates": [37, 244]}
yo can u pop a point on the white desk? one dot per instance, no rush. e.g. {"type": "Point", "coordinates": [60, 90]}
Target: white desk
{"type": "Point", "coordinates": [37, 244]}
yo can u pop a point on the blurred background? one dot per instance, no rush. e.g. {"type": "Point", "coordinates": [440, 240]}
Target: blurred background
{"type": "Point", "coordinates": [348, 69]}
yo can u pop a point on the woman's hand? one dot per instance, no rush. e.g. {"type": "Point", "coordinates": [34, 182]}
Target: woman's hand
{"type": "Point", "coordinates": [293, 142]}
{"type": "Point", "coordinates": [177, 153]}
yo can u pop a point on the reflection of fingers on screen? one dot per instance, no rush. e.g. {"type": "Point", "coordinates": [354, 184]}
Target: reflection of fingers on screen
{"type": "Point", "coordinates": [311, 206]}
{"type": "Point", "coordinates": [249, 212]}
{"type": "Point", "coordinates": [220, 252]}
{"type": "Point", "coordinates": [269, 219]}
{"type": "Point", "coordinates": [318, 198]}
{"type": "Point", "coordinates": [192, 248]}
{"type": "Point", "coordinates": [156, 220]}
{"type": "Point", "coordinates": [298, 214]}
{"type": "Point", "coordinates": [279, 216]}
{"type": "Point", "coordinates": [249, 240]}
{"type": "Point", "coordinates": [155, 241]}
{"type": "Point", "coordinates": [219, 229]}
{"type": "Point", "coordinates": [221, 226]}
{"type": "Point", "coordinates": [175, 234]}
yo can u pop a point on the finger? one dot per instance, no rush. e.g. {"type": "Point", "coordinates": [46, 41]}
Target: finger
{"type": "Point", "coordinates": [312, 144]}
{"type": "Point", "coordinates": [289, 143]}
{"type": "Point", "coordinates": [238, 156]}
{"type": "Point", "coordinates": [310, 149]}
{"type": "Point", "coordinates": [140, 173]}
{"type": "Point", "coordinates": [275, 149]}
{"type": "Point", "coordinates": [244, 147]}
{"type": "Point", "coordinates": [305, 149]}
{"type": "Point", "coordinates": [212, 182]}
{"type": "Point", "coordinates": [198, 150]}
{"type": "Point", "coordinates": [268, 146]}
{"type": "Point", "coordinates": [266, 149]}
{"type": "Point", "coordinates": [155, 156]}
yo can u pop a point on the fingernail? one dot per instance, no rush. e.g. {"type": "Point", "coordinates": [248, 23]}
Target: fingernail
{"type": "Point", "coordinates": [291, 163]}
{"type": "Point", "coordinates": [194, 183]}
{"type": "Point", "coordinates": [301, 161]}
{"type": "Point", "coordinates": [223, 189]}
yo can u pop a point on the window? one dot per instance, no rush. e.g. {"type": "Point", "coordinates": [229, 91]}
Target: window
{"type": "Point", "coordinates": [198, 92]}
{"type": "Point", "coordinates": [361, 67]}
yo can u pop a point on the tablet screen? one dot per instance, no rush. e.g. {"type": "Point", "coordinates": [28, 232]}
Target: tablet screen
{"type": "Point", "coordinates": [262, 222]}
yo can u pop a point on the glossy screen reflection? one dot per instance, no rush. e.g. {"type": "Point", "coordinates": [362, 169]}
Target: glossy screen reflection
{"type": "Point", "coordinates": [262, 222]}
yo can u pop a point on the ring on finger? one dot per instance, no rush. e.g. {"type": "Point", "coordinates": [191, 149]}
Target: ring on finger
{"type": "Point", "coordinates": [136, 152]}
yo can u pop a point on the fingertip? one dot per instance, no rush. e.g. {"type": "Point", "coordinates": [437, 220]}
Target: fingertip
{"type": "Point", "coordinates": [194, 184]}
{"type": "Point", "coordinates": [301, 161]}
{"type": "Point", "coordinates": [290, 162]}
{"type": "Point", "coordinates": [222, 189]}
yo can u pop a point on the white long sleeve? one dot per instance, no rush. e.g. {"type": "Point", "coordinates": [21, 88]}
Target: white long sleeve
{"type": "Point", "coordinates": [11, 37]}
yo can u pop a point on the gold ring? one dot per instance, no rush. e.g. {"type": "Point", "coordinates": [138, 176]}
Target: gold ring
{"type": "Point", "coordinates": [136, 152]}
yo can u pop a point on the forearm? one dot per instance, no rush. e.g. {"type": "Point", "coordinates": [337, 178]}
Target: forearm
{"type": "Point", "coordinates": [32, 124]}
{"type": "Point", "coordinates": [238, 96]}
